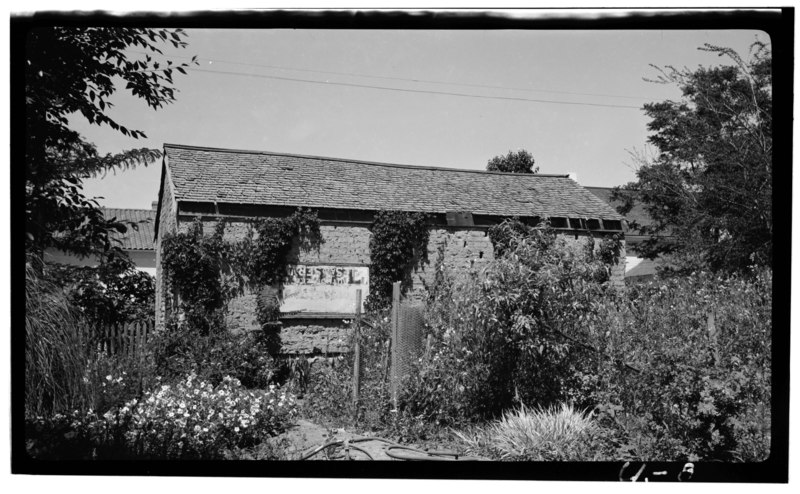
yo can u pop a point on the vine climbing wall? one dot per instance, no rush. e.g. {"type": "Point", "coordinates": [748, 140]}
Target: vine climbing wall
{"type": "Point", "coordinates": [320, 280]}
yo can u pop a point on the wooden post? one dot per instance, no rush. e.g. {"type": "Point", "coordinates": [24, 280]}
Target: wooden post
{"type": "Point", "coordinates": [137, 345]}
{"type": "Point", "coordinates": [123, 339]}
{"type": "Point", "coordinates": [140, 338]}
{"type": "Point", "coordinates": [395, 339]}
{"type": "Point", "coordinates": [357, 353]}
{"type": "Point", "coordinates": [113, 340]}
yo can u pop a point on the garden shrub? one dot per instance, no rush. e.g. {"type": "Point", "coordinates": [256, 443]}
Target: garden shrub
{"type": "Point", "coordinates": [272, 449]}
{"type": "Point", "coordinates": [703, 343]}
{"type": "Point", "coordinates": [112, 292]}
{"type": "Point", "coordinates": [202, 420]}
{"type": "Point", "coordinates": [63, 372]}
{"type": "Point", "coordinates": [752, 433]}
{"type": "Point", "coordinates": [329, 397]}
{"type": "Point", "coordinates": [676, 369]}
{"type": "Point", "coordinates": [112, 380]}
{"type": "Point", "coordinates": [330, 384]}
{"type": "Point", "coordinates": [179, 350]}
{"type": "Point", "coordinates": [513, 334]}
{"type": "Point", "coordinates": [192, 419]}
{"type": "Point", "coordinates": [374, 395]}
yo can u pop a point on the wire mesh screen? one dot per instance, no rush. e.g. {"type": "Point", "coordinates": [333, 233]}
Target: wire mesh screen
{"type": "Point", "coordinates": [407, 340]}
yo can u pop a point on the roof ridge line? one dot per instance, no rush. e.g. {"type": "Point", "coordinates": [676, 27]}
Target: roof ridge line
{"type": "Point", "coordinates": [128, 209]}
{"type": "Point", "coordinates": [378, 163]}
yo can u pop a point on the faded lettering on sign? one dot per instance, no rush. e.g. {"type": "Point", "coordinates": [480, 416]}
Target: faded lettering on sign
{"type": "Point", "coordinates": [328, 289]}
{"type": "Point", "coordinates": [325, 275]}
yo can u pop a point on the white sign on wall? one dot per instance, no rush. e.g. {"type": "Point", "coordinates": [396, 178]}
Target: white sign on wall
{"type": "Point", "coordinates": [330, 289]}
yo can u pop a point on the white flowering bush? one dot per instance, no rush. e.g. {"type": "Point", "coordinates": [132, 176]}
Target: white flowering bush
{"type": "Point", "coordinates": [189, 420]}
{"type": "Point", "coordinates": [195, 419]}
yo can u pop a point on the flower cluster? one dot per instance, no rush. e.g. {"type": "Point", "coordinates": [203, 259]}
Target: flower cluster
{"type": "Point", "coordinates": [189, 420]}
{"type": "Point", "coordinates": [195, 418]}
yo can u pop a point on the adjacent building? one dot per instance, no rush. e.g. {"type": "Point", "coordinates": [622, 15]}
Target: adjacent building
{"type": "Point", "coordinates": [137, 241]}
{"type": "Point", "coordinates": [239, 186]}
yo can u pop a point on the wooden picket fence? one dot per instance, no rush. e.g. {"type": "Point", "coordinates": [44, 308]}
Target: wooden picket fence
{"type": "Point", "coordinates": [126, 339]}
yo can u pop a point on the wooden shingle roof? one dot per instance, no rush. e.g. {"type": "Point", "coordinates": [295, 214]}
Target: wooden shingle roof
{"type": "Point", "coordinates": [264, 178]}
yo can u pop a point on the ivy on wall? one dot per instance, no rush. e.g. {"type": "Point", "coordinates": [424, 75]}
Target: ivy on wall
{"type": "Point", "coordinates": [262, 261]}
{"type": "Point", "coordinates": [399, 242]}
{"type": "Point", "coordinates": [194, 263]}
{"type": "Point", "coordinates": [208, 271]}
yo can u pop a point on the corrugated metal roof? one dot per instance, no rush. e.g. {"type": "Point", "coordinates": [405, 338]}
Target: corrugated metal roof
{"type": "Point", "coordinates": [264, 178]}
{"type": "Point", "coordinates": [140, 237]}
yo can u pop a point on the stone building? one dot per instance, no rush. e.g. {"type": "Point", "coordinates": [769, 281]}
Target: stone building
{"type": "Point", "coordinates": [239, 186]}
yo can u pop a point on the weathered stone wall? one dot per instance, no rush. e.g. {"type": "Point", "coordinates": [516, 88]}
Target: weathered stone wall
{"type": "Point", "coordinates": [315, 336]}
{"type": "Point", "coordinates": [461, 249]}
{"type": "Point", "coordinates": [466, 250]}
{"type": "Point", "coordinates": [167, 223]}
{"type": "Point", "coordinates": [342, 245]}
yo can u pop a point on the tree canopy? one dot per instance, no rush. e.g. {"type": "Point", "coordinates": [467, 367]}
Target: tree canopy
{"type": "Point", "coordinates": [513, 162]}
{"type": "Point", "coordinates": [709, 187]}
{"type": "Point", "coordinates": [75, 71]}
{"type": "Point", "coordinates": [113, 292]}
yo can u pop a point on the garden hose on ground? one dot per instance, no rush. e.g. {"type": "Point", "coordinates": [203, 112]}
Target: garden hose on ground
{"type": "Point", "coordinates": [396, 451]}
{"type": "Point", "coordinates": [412, 454]}
{"type": "Point", "coordinates": [347, 443]}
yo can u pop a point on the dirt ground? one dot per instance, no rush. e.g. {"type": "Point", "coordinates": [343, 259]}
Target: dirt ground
{"type": "Point", "coordinates": [304, 437]}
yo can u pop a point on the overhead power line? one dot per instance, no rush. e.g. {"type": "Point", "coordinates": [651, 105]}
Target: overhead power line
{"type": "Point", "coordinates": [404, 79]}
{"type": "Point", "coordinates": [405, 90]}
{"type": "Point", "coordinates": [426, 81]}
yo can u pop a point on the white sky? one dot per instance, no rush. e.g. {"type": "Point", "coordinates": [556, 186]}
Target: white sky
{"type": "Point", "coordinates": [264, 113]}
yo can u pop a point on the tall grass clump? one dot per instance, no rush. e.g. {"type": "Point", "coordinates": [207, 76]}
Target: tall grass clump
{"type": "Point", "coordinates": [55, 354]}
{"type": "Point", "coordinates": [555, 433]}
